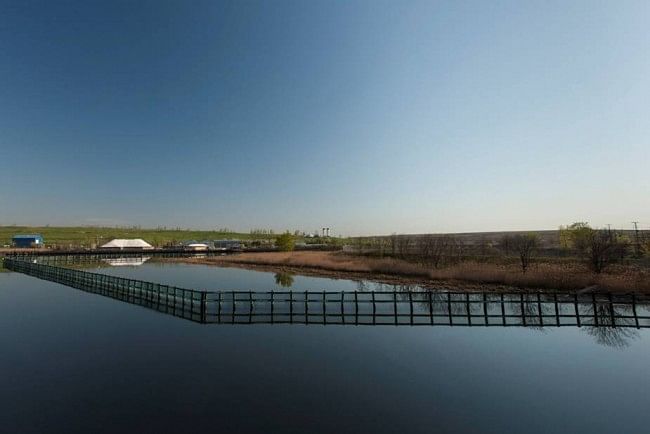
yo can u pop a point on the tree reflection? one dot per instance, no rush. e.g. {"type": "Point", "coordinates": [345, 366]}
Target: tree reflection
{"type": "Point", "coordinates": [284, 279]}
{"type": "Point", "coordinates": [362, 285]}
{"type": "Point", "coordinates": [614, 337]}
{"type": "Point", "coordinates": [613, 329]}
{"type": "Point", "coordinates": [612, 320]}
{"type": "Point", "coordinates": [611, 324]}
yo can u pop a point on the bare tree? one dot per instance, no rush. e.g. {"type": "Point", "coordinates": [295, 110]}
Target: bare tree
{"type": "Point", "coordinates": [602, 249]}
{"type": "Point", "coordinates": [442, 248]}
{"type": "Point", "coordinates": [598, 247]}
{"type": "Point", "coordinates": [505, 244]}
{"type": "Point", "coordinates": [360, 244]}
{"type": "Point", "coordinates": [403, 245]}
{"type": "Point", "coordinates": [484, 245]}
{"type": "Point", "coordinates": [525, 245]}
{"type": "Point", "coordinates": [378, 245]}
{"type": "Point", "coordinates": [433, 248]}
{"type": "Point", "coordinates": [425, 246]}
{"type": "Point", "coordinates": [393, 245]}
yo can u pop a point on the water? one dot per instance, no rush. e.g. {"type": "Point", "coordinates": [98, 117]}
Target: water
{"type": "Point", "coordinates": [79, 362]}
{"type": "Point", "coordinates": [210, 278]}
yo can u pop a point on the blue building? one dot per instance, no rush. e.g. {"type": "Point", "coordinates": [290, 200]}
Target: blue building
{"type": "Point", "coordinates": [27, 241]}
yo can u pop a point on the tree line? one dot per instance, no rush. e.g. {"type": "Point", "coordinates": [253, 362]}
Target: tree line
{"type": "Point", "coordinates": [597, 248]}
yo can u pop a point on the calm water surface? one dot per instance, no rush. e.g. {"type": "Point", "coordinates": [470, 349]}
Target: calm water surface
{"type": "Point", "coordinates": [73, 361]}
{"type": "Point", "coordinates": [211, 278]}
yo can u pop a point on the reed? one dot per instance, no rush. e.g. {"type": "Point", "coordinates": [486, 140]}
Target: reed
{"type": "Point", "coordinates": [540, 275]}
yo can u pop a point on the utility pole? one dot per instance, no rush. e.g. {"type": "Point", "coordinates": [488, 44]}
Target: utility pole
{"type": "Point", "coordinates": [637, 244]}
{"type": "Point", "coordinates": [609, 232]}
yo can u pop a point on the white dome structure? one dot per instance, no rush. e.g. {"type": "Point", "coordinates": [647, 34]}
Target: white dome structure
{"type": "Point", "coordinates": [121, 244]}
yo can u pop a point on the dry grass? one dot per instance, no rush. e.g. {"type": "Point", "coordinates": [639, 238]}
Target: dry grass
{"type": "Point", "coordinates": [539, 276]}
{"type": "Point", "coordinates": [546, 276]}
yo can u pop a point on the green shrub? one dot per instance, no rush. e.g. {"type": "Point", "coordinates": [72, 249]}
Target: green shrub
{"type": "Point", "coordinates": [285, 242]}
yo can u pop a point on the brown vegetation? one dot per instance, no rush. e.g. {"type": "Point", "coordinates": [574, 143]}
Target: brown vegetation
{"type": "Point", "coordinates": [539, 275]}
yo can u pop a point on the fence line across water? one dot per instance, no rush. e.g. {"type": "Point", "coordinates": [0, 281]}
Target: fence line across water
{"type": "Point", "coordinates": [411, 308]}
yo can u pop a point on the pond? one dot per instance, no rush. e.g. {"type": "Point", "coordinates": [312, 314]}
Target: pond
{"type": "Point", "coordinates": [74, 361]}
{"type": "Point", "coordinates": [211, 278]}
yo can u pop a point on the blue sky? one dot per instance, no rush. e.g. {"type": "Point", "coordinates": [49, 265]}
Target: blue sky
{"type": "Point", "coordinates": [364, 116]}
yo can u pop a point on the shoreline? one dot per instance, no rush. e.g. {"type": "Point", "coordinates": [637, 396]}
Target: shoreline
{"type": "Point", "coordinates": [386, 279]}
{"type": "Point", "coordinates": [464, 276]}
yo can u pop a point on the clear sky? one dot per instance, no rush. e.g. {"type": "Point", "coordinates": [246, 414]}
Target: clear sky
{"type": "Point", "coordinates": [364, 116]}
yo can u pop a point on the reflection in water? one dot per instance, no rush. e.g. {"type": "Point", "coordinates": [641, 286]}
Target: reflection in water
{"type": "Point", "coordinates": [127, 262]}
{"type": "Point", "coordinates": [361, 285]}
{"type": "Point", "coordinates": [615, 324]}
{"type": "Point", "coordinates": [611, 319]}
{"type": "Point", "coordinates": [615, 337]}
{"type": "Point", "coordinates": [284, 279]}
{"type": "Point", "coordinates": [173, 373]}
{"type": "Point", "coordinates": [397, 309]}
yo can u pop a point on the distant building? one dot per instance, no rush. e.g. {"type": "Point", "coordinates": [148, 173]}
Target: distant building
{"type": "Point", "coordinates": [227, 244]}
{"type": "Point", "coordinates": [27, 241]}
{"type": "Point", "coordinates": [197, 247]}
{"type": "Point", "coordinates": [128, 244]}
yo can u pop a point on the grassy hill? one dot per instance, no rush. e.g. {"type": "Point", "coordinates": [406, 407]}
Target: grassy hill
{"type": "Point", "coordinates": [87, 236]}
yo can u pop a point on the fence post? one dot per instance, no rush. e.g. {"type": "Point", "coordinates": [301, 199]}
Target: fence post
{"type": "Point", "coordinates": [203, 306]}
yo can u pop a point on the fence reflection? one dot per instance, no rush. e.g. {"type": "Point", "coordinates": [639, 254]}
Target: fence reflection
{"type": "Point", "coordinates": [405, 307]}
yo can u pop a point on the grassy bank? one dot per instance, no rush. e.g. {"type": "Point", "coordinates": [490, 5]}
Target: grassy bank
{"type": "Point", "coordinates": [541, 275]}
